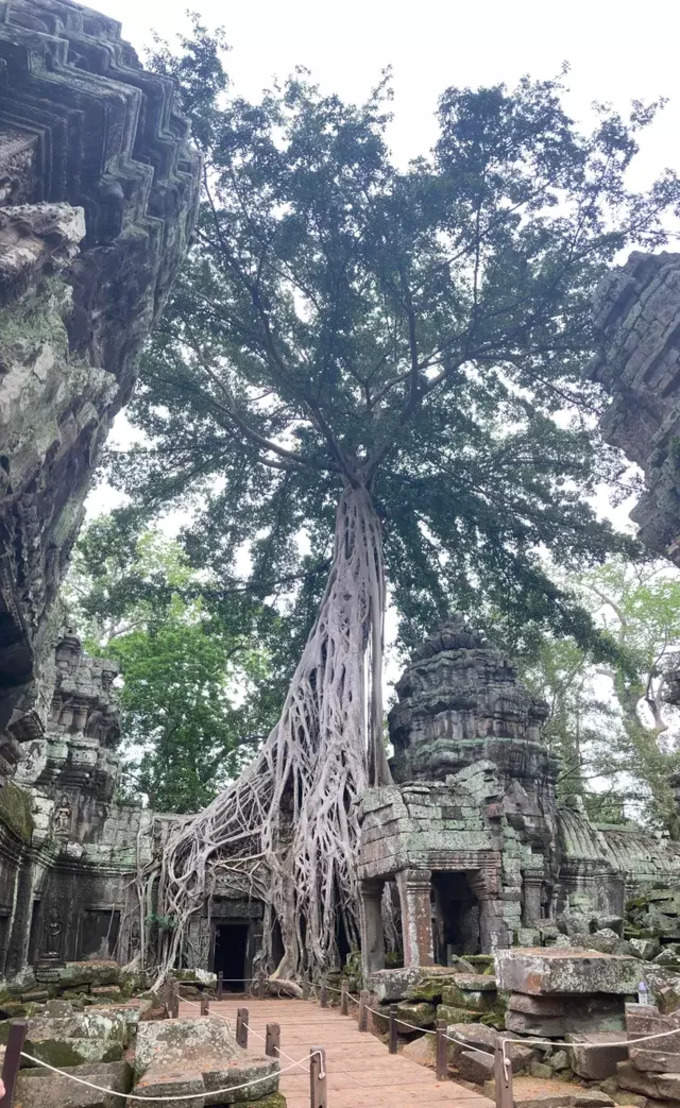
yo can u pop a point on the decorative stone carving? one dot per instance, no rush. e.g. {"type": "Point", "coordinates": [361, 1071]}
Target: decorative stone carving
{"type": "Point", "coordinates": [460, 702]}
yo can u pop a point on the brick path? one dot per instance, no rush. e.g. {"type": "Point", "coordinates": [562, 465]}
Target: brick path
{"type": "Point", "coordinates": [361, 1072]}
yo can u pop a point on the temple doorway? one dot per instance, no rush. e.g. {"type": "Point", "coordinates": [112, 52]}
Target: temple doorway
{"type": "Point", "coordinates": [455, 916]}
{"type": "Point", "coordinates": [231, 949]}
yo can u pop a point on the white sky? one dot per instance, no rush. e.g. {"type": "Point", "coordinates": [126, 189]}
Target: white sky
{"type": "Point", "coordinates": [618, 50]}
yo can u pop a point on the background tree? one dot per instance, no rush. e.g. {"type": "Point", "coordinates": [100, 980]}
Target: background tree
{"type": "Point", "coordinates": [197, 697]}
{"type": "Point", "coordinates": [610, 721]}
{"type": "Point", "coordinates": [374, 358]}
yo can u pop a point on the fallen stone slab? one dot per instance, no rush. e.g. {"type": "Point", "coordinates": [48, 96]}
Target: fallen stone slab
{"type": "Point", "coordinates": [40, 1088]}
{"type": "Point", "coordinates": [418, 1014]}
{"type": "Point", "coordinates": [634, 1081]}
{"type": "Point", "coordinates": [415, 982]}
{"type": "Point", "coordinates": [90, 1023]}
{"type": "Point", "coordinates": [168, 1085]}
{"type": "Point", "coordinates": [204, 1047]}
{"type": "Point", "coordinates": [538, 1092]}
{"type": "Point", "coordinates": [475, 1067]}
{"type": "Point", "coordinates": [104, 972]}
{"type": "Point", "coordinates": [654, 1061]}
{"type": "Point", "coordinates": [73, 1051]}
{"type": "Point", "coordinates": [545, 971]}
{"type": "Point", "coordinates": [596, 1059]}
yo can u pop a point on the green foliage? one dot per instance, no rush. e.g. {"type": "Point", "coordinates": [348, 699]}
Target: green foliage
{"type": "Point", "coordinates": [197, 697]}
{"type": "Point", "coordinates": [421, 332]}
{"type": "Point", "coordinates": [611, 722]}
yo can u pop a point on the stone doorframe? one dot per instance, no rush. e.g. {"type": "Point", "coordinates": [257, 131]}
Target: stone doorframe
{"type": "Point", "coordinates": [414, 885]}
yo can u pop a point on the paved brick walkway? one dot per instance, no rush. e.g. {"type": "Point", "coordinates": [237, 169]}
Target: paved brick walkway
{"type": "Point", "coordinates": [361, 1072]}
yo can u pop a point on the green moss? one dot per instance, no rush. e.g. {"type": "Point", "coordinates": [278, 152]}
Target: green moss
{"type": "Point", "coordinates": [495, 1017]}
{"type": "Point", "coordinates": [36, 320]}
{"type": "Point", "coordinates": [274, 1100]}
{"type": "Point", "coordinates": [15, 811]}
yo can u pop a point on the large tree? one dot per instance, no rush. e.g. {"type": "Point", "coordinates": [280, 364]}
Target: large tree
{"type": "Point", "coordinates": [380, 365]}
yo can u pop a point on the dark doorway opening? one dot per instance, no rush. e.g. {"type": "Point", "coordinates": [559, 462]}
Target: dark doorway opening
{"type": "Point", "coordinates": [455, 917]}
{"type": "Point", "coordinates": [231, 943]}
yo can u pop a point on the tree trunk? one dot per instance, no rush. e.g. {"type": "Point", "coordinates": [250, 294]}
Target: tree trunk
{"type": "Point", "coordinates": [286, 830]}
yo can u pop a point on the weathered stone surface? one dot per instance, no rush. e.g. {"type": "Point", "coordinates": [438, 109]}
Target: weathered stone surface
{"type": "Point", "coordinates": [202, 1048]}
{"type": "Point", "coordinates": [417, 1014]}
{"type": "Point", "coordinates": [597, 1058]}
{"type": "Point", "coordinates": [546, 972]}
{"type": "Point", "coordinates": [637, 309]}
{"type": "Point", "coordinates": [534, 1092]}
{"type": "Point", "coordinates": [99, 191]}
{"type": "Point", "coordinates": [38, 1088]}
{"type": "Point", "coordinates": [474, 1066]}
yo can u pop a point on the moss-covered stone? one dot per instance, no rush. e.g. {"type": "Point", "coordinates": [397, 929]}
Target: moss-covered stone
{"type": "Point", "coordinates": [456, 1015]}
{"type": "Point", "coordinates": [15, 811]}
{"type": "Point", "coordinates": [420, 1014]}
{"type": "Point", "coordinates": [274, 1100]}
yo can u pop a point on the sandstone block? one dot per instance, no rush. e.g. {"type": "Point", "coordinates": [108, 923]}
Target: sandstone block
{"type": "Point", "coordinates": [41, 1089]}
{"type": "Point", "coordinates": [596, 1059]}
{"type": "Point", "coordinates": [475, 1067]}
{"type": "Point", "coordinates": [552, 971]}
{"type": "Point", "coordinates": [654, 1061]}
{"type": "Point", "coordinates": [418, 1014]}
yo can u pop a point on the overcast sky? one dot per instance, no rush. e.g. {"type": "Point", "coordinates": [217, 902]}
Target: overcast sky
{"type": "Point", "coordinates": [617, 50]}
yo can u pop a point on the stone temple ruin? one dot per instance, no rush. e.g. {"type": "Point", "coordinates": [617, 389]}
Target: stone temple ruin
{"type": "Point", "coordinates": [471, 833]}
{"type": "Point", "coordinates": [512, 910]}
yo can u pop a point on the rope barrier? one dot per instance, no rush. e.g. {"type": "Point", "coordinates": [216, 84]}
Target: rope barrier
{"type": "Point", "coordinates": [182, 1096]}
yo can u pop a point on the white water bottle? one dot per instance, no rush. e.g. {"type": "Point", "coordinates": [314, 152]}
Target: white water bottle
{"type": "Point", "coordinates": [643, 993]}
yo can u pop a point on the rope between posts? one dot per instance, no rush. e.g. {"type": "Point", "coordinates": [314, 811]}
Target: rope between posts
{"type": "Point", "coordinates": [250, 1029]}
{"type": "Point", "coordinates": [592, 1046]}
{"type": "Point", "coordinates": [405, 1023]}
{"type": "Point", "coordinates": [182, 1096]}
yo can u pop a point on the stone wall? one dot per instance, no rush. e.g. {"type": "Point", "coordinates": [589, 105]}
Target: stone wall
{"type": "Point", "coordinates": [637, 320]}
{"type": "Point", "coordinates": [98, 196]}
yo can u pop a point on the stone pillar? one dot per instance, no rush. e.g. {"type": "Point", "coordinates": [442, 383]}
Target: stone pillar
{"type": "Point", "coordinates": [416, 916]}
{"type": "Point", "coordinates": [372, 935]}
{"type": "Point", "coordinates": [532, 888]}
{"type": "Point", "coordinates": [493, 929]}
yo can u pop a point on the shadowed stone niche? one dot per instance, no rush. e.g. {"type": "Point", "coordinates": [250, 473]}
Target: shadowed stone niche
{"type": "Point", "coordinates": [98, 197]}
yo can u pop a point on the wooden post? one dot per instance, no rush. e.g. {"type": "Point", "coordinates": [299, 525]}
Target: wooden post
{"type": "Point", "coordinates": [10, 1066]}
{"type": "Point", "coordinates": [220, 985]}
{"type": "Point", "coordinates": [363, 1010]}
{"type": "Point", "coordinates": [318, 1097]}
{"type": "Point", "coordinates": [393, 1029]}
{"type": "Point", "coordinates": [205, 1007]}
{"type": "Point", "coordinates": [260, 986]}
{"type": "Point", "coordinates": [242, 1027]}
{"type": "Point", "coordinates": [442, 1060]}
{"type": "Point", "coordinates": [503, 1079]}
{"type": "Point", "coordinates": [344, 999]}
{"type": "Point", "coordinates": [272, 1045]}
{"type": "Point", "coordinates": [323, 996]}
{"type": "Point", "coordinates": [305, 990]}
{"type": "Point", "coordinates": [173, 1002]}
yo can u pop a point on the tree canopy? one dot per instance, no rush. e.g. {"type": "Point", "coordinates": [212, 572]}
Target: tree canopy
{"type": "Point", "coordinates": [612, 723]}
{"type": "Point", "coordinates": [421, 331]}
